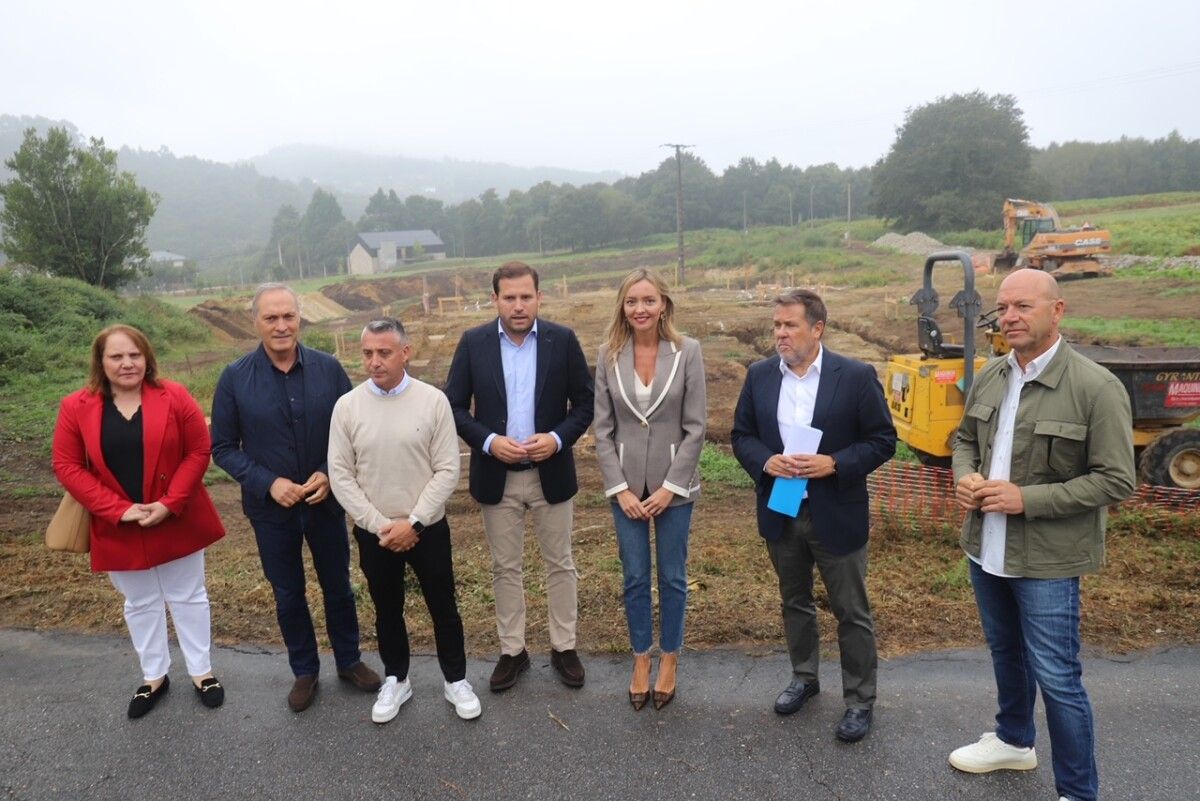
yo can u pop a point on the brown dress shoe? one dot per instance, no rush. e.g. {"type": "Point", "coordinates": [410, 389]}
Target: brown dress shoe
{"type": "Point", "coordinates": [362, 677]}
{"type": "Point", "coordinates": [508, 669]}
{"type": "Point", "coordinates": [664, 685]}
{"type": "Point", "coordinates": [639, 685]}
{"type": "Point", "coordinates": [304, 690]}
{"type": "Point", "coordinates": [568, 666]}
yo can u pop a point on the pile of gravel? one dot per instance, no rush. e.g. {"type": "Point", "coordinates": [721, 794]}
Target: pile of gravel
{"type": "Point", "coordinates": [916, 243]}
{"type": "Point", "coordinates": [1157, 262]}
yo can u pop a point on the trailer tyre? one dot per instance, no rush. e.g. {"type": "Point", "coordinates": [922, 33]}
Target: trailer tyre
{"type": "Point", "coordinates": [1173, 460]}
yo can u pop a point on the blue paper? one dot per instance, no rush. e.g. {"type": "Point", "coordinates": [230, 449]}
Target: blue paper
{"type": "Point", "coordinates": [786, 496]}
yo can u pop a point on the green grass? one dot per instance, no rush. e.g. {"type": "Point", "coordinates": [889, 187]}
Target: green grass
{"type": "Point", "coordinates": [720, 467]}
{"type": "Point", "coordinates": [1136, 331]}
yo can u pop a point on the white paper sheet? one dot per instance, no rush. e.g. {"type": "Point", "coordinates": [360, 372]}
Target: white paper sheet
{"type": "Point", "coordinates": [802, 440]}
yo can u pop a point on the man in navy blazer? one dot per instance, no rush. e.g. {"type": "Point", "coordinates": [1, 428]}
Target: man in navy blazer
{"type": "Point", "coordinates": [532, 394]}
{"type": "Point", "coordinates": [808, 385]}
{"type": "Point", "coordinates": [270, 431]}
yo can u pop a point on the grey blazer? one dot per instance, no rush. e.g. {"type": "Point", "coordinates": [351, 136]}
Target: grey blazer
{"type": "Point", "coordinates": [660, 448]}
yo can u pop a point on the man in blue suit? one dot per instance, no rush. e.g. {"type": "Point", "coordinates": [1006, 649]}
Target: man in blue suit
{"type": "Point", "coordinates": [270, 431]}
{"type": "Point", "coordinates": [809, 385]}
{"type": "Point", "coordinates": [532, 393]}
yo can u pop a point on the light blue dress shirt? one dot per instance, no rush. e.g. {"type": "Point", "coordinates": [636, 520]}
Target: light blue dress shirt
{"type": "Point", "coordinates": [519, 363]}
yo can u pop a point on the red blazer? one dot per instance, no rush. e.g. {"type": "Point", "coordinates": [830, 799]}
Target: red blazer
{"type": "Point", "coordinates": [175, 452]}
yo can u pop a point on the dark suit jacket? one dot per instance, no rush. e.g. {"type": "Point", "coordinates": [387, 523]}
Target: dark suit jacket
{"type": "Point", "coordinates": [857, 431]}
{"type": "Point", "coordinates": [563, 398]}
{"type": "Point", "coordinates": [252, 436]}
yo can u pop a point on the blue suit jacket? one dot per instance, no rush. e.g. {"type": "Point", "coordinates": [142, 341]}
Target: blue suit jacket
{"type": "Point", "coordinates": [563, 397]}
{"type": "Point", "coordinates": [251, 434]}
{"type": "Point", "coordinates": [857, 431]}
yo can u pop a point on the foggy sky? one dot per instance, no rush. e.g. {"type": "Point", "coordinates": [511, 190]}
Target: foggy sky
{"type": "Point", "coordinates": [589, 86]}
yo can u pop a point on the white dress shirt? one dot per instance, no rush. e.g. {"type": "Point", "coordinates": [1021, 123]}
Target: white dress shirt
{"type": "Point", "coordinates": [798, 396]}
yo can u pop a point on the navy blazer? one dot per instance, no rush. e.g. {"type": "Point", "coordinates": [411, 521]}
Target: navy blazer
{"type": "Point", "coordinates": [563, 398]}
{"type": "Point", "coordinates": [858, 433]}
{"type": "Point", "coordinates": [251, 434]}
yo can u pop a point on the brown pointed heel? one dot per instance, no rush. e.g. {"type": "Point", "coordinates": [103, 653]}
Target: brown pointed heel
{"type": "Point", "coordinates": [664, 686]}
{"type": "Point", "coordinates": [639, 697]}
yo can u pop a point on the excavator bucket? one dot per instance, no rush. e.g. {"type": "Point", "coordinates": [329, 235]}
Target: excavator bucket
{"type": "Point", "coordinates": [1004, 261]}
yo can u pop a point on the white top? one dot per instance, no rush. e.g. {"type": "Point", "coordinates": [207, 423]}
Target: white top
{"type": "Point", "coordinates": [798, 396]}
{"type": "Point", "coordinates": [995, 524]}
{"type": "Point", "coordinates": [641, 392]}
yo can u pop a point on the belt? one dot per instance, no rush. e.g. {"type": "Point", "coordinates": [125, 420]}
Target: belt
{"type": "Point", "coordinates": [521, 466]}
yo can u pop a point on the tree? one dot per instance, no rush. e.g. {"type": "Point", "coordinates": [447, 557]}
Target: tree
{"type": "Point", "coordinates": [326, 234]}
{"type": "Point", "coordinates": [69, 210]}
{"type": "Point", "coordinates": [953, 163]}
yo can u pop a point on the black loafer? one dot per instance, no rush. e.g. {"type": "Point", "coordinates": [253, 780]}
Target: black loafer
{"type": "Point", "coordinates": [508, 670]}
{"type": "Point", "coordinates": [854, 726]}
{"type": "Point", "coordinates": [794, 696]}
{"type": "Point", "coordinates": [568, 667]}
{"type": "Point", "coordinates": [145, 698]}
{"type": "Point", "coordinates": [211, 693]}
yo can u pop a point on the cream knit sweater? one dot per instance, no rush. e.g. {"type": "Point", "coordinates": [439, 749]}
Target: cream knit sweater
{"type": "Point", "coordinates": [393, 456]}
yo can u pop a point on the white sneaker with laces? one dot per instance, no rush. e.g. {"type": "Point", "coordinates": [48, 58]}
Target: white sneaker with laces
{"type": "Point", "coordinates": [392, 694]}
{"type": "Point", "coordinates": [466, 703]}
{"type": "Point", "coordinates": [992, 753]}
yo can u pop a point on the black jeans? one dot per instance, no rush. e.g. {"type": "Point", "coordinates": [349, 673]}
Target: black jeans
{"type": "Point", "coordinates": [430, 561]}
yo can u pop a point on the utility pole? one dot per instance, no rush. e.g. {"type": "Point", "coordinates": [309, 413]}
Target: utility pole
{"type": "Point", "coordinates": [791, 212]}
{"type": "Point", "coordinates": [679, 269]}
{"type": "Point", "coordinates": [811, 188]}
{"type": "Point", "coordinates": [745, 224]}
{"type": "Point", "coordinates": [848, 207]}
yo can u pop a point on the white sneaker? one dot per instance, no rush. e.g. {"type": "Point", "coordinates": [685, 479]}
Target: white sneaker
{"type": "Point", "coordinates": [992, 753]}
{"type": "Point", "coordinates": [392, 694]}
{"type": "Point", "coordinates": [466, 702]}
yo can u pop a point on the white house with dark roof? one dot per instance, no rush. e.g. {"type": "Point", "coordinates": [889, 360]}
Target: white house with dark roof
{"type": "Point", "coordinates": [380, 251]}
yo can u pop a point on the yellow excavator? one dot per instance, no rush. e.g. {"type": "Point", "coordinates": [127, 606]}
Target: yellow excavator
{"type": "Point", "coordinates": [926, 391]}
{"type": "Point", "coordinates": [1065, 253]}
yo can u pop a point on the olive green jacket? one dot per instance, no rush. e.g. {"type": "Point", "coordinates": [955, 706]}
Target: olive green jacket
{"type": "Point", "coordinates": [1072, 457]}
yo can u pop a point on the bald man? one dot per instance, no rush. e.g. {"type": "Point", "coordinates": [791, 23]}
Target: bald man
{"type": "Point", "coordinates": [1045, 446]}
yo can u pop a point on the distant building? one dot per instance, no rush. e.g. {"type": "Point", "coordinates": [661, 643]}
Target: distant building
{"type": "Point", "coordinates": [380, 251]}
{"type": "Point", "coordinates": [167, 257]}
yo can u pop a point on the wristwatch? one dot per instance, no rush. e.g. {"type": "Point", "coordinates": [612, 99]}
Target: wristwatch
{"type": "Point", "coordinates": [416, 524]}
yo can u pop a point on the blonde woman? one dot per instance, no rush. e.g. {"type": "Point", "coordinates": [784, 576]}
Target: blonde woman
{"type": "Point", "coordinates": [649, 425]}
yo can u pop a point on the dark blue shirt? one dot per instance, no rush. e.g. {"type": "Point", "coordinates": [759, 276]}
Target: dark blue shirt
{"type": "Point", "coordinates": [267, 424]}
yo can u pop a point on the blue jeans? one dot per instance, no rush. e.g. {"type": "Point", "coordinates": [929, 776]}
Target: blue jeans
{"type": "Point", "coordinates": [280, 547]}
{"type": "Point", "coordinates": [1032, 629]}
{"type": "Point", "coordinates": [670, 548]}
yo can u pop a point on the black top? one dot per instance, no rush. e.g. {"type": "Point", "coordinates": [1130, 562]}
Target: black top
{"type": "Point", "coordinates": [121, 444]}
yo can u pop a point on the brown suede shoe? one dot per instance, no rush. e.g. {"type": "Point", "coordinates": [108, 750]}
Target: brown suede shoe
{"type": "Point", "coordinates": [508, 669]}
{"type": "Point", "coordinates": [304, 690]}
{"type": "Point", "coordinates": [570, 669]}
{"type": "Point", "coordinates": [362, 677]}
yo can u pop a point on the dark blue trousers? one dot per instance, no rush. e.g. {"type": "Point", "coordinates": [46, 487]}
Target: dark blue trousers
{"type": "Point", "coordinates": [280, 547]}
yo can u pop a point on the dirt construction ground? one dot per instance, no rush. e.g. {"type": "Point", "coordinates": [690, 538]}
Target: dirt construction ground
{"type": "Point", "coordinates": [1148, 595]}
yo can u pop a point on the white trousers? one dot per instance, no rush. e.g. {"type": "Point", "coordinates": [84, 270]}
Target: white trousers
{"type": "Point", "coordinates": [179, 585]}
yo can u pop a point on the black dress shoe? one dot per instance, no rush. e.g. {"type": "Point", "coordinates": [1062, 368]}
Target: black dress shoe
{"type": "Point", "coordinates": [567, 665]}
{"type": "Point", "coordinates": [508, 669]}
{"type": "Point", "coordinates": [794, 696]}
{"type": "Point", "coordinates": [211, 693]}
{"type": "Point", "coordinates": [144, 699]}
{"type": "Point", "coordinates": [854, 726]}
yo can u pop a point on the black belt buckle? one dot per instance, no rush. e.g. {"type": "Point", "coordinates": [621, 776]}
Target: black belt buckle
{"type": "Point", "coordinates": [518, 466]}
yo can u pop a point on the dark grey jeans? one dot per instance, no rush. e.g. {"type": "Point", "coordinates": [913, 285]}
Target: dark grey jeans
{"type": "Point", "coordinates": [794, 555]}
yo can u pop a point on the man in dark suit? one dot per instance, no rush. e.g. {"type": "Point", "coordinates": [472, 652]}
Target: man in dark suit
{"type": "Point", "coordinates": [808, 385]}
{"type": "Point", "coordinates": [270, 431]}
{"type": "Point", "coordinates": [532, 393]}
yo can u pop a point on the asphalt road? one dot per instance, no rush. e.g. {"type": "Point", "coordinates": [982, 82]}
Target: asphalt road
{"type": "Point", "coordinates": [64, 734]}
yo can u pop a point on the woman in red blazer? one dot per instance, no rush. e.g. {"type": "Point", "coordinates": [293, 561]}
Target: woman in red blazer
{"type": "Point", "coordinates": [133, 449]}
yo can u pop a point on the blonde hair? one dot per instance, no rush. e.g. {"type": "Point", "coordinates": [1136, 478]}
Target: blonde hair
{"type": "Point", "coordinates": [620, 331]}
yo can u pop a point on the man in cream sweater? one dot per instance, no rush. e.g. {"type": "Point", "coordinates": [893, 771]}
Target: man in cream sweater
{"type": "Point", "coordinates": [393, 462]}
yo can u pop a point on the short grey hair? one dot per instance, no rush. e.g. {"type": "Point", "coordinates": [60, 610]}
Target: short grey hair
{"type": "Point", "coordinates": [385, 324]}
{"type": "Point", "coordinates": [272, 286]}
